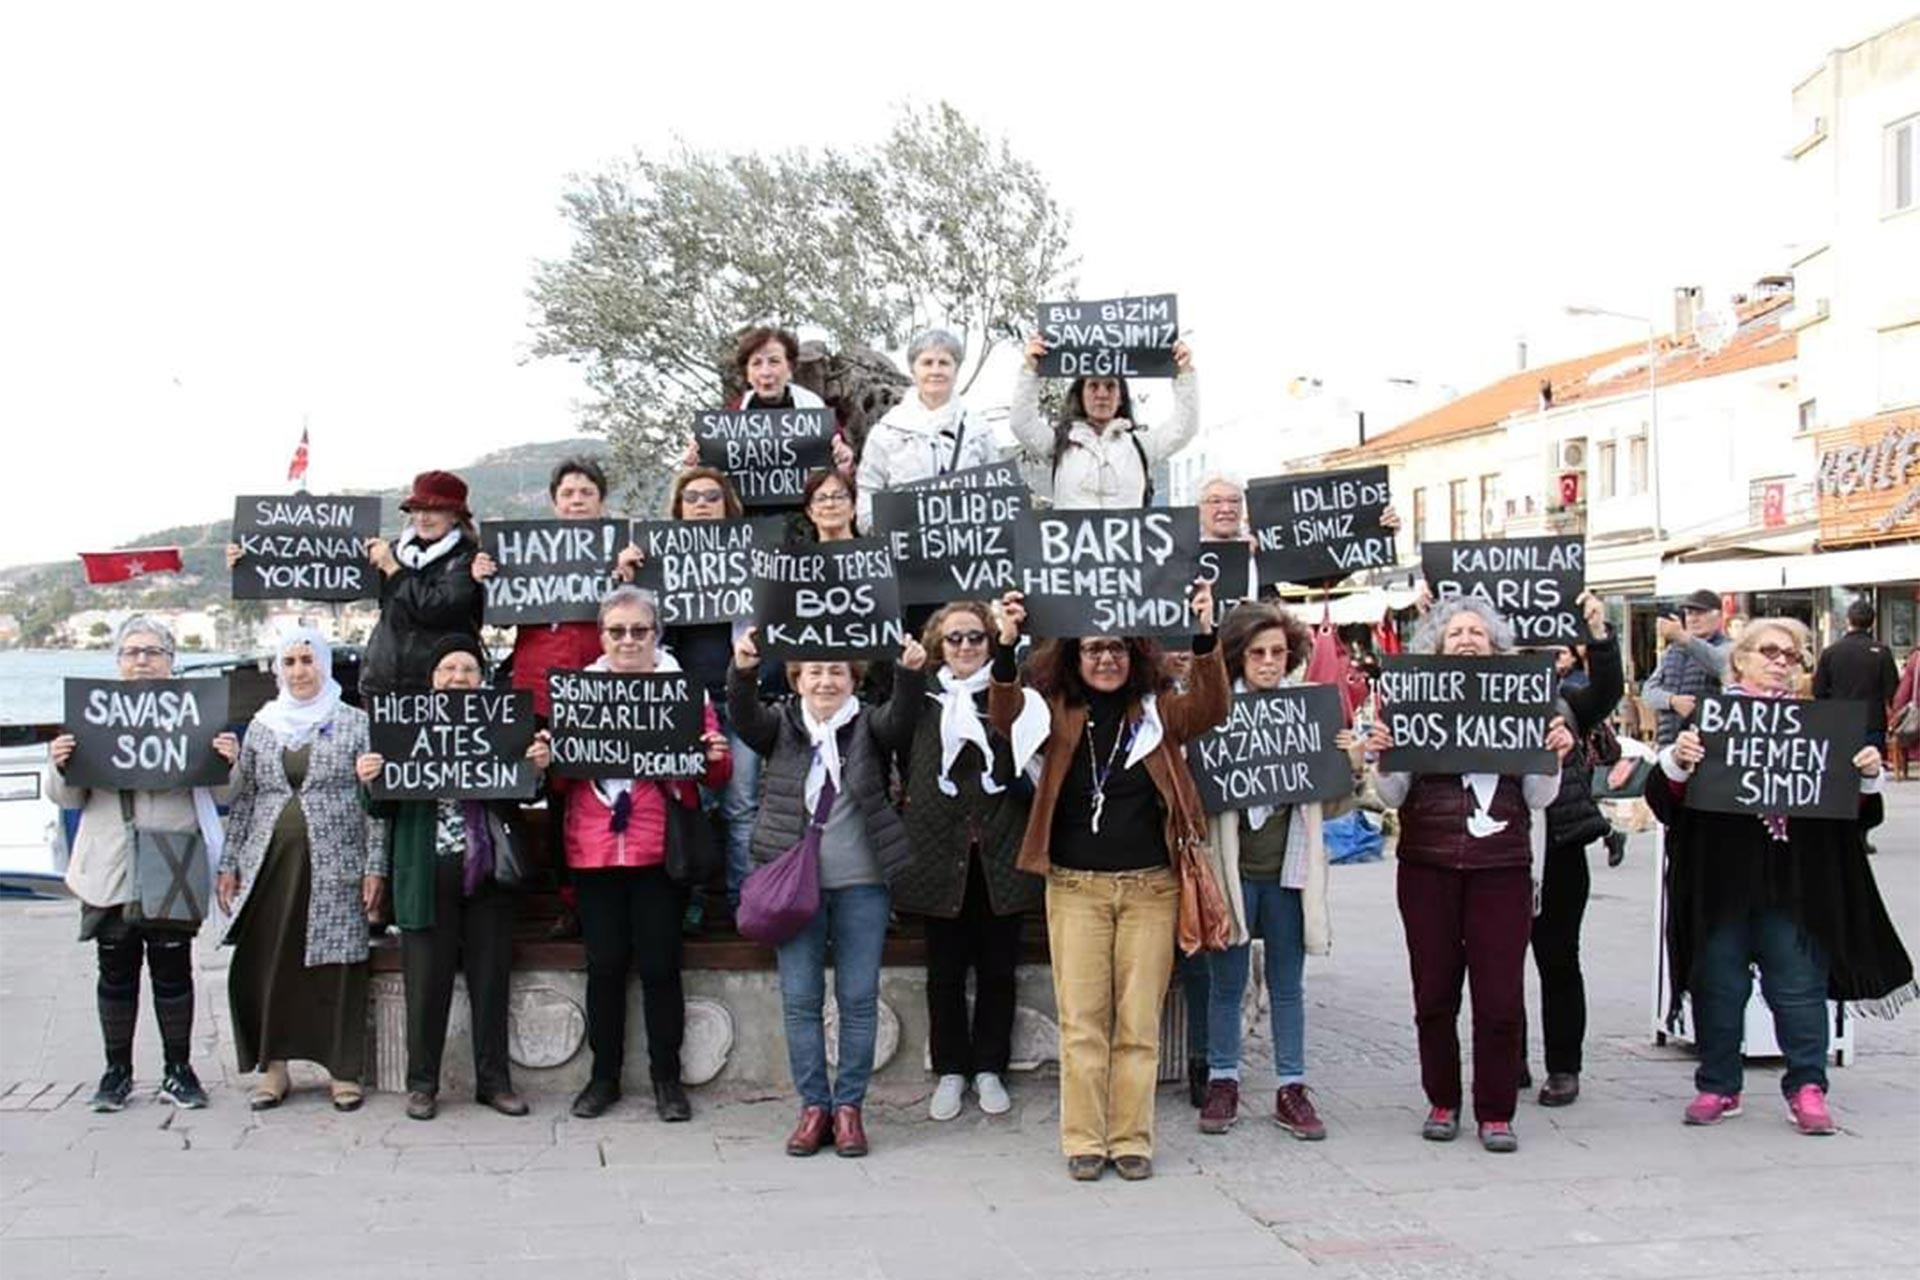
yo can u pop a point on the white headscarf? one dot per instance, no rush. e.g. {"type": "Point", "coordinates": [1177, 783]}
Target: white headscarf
{"type": "Point", "coordinates": [292, 720]}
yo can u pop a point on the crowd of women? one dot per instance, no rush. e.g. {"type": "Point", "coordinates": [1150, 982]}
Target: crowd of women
{"type": "Point", "coordinates": [986, 777]}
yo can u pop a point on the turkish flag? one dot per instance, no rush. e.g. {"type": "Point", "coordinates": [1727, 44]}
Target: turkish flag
{"type": "Point", "coordinates": [297, 469]}
{"type": "Point", "coordinates": [119, 566]}
{"type": "Point", "coordinates": [1569, 488]}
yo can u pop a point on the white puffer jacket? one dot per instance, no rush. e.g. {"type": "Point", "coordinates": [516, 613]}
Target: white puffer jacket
{"type": "Point", "coordinates": [1100, 470]}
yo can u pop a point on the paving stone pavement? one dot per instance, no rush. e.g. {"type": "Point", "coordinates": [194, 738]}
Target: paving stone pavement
{"type": "Point", "coordinates": [1612, 1187]}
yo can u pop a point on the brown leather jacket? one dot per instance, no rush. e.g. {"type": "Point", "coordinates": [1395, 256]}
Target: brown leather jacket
{"type": "Point", "coordinates": [1183, 716]}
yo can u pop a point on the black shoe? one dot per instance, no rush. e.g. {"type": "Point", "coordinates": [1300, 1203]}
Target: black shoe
{"type": "Point", "coordinates": [565, 926]}
{"type": "Point", "coordinates": [596, 1098]}
{"type": "Point", "coordinates": [1616, 848]}
{"type": "Point", "coordinates": [115, 1085]}
{"type": "Point", "coordinates": [1562, 1089]}
{"type": "Point", "coordinates": [422, 1105]}
{"type": "Point", "coordinates": [670, 1100]}
{"type": "Point", "coordinates": [1197, 1074]}
{"type": "Point", "coordinates": [182, 1088]}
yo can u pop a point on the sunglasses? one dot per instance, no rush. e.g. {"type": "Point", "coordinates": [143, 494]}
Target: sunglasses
{"type": "Point", "coordinates": [1275, 654]}
{"type": "Point", "coordinates": [1779, 653]}
{"type": "Point", "coordinates": [959, 638]}
{"type": "Point", "coordinates": [1104, 651]}
{"type": "Point", "coordinates": [703, 497]}
{"type": "Point", "coordinates": [619, 631]}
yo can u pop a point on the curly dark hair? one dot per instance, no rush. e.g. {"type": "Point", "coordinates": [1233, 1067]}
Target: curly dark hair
{"type": "Point", "coordinates": [1053, 669]}
{"type": "Point", "coordinates": [1248, 620]}
{"type": "Point", "coordinates": [751, 340]}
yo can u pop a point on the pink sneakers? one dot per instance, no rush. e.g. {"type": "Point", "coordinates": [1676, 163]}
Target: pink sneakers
{"type": "Point", "coordinates": [1808, 1106]}
{"type": "Point", "coordinates": [1712, 1108]}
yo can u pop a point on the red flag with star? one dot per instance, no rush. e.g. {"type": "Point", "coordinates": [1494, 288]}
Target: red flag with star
{"type": "Point", "coordinates": [297, 469]}
{"type": "Point", "coordinates": [119, 566]}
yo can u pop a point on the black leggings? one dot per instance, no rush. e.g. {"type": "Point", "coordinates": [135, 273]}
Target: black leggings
{"type": "Point", "coordinates": [169, 954]}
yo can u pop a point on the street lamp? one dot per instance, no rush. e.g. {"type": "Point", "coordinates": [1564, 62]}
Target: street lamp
{"type": "Point", "coordinates": [1653, 405]}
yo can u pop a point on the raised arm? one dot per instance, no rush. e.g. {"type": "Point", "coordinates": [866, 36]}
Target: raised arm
{"type": "Point", "coordinates": [1176, 435]}
{"type": "Point", "coordinates": [1033, 431]}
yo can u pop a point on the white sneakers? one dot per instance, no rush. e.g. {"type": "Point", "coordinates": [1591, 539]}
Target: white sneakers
{"type": "Point", "coordinates": [948, 1094]}
{"type": "Point", "coordinates": [946, 1097]}
{"type": "Point", "coordinates": [993, 1094]}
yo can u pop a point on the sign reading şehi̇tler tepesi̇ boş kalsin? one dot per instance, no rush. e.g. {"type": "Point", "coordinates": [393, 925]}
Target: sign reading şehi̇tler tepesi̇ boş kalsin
{"type": "Point", "coordinates": [1468, 714]}
{"type": "Point", "coordinates": [826, 601]}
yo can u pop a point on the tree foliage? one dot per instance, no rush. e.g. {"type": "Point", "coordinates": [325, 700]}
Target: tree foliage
{"type": "Point", "coordinates": [937, 224]}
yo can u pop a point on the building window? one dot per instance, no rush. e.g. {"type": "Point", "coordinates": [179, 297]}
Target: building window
{"type": "Point", "coordinates": [1603, 469]}
{"type": "Point", "coordinates": [1490, 517]}
{"type": "Point", "coordinates": [1903, 139]}
{"type": "Point", "coordinates": [1419, 517]}
{"type": "Point", "coordinates": [1899, 351]}
{"type": "Point", "coordinates": [1457, 510]}
{"type": "Point", "coordinates": [1637, 465]}
{"type": "Point", "coordinates": [1809, 414]}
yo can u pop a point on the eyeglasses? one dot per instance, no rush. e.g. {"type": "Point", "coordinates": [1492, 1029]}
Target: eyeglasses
{"type": "Point", "coordinates": [837, 498]}
{"type": "Point", "coordinates": [1275, 653]}
{"type": "Point", "coordinates": [1779, 653]}
{"type": "Point", "coordinates": [704, 497]}
{"type": "Point", "coordinates": [1098, 651]}
{"type": "Point", "coordinates": [959, 638]}
{"type": "Point", "coordinates": [142, 652]}
{"type": "Point", "coordinates": [618, 631]}
{"type": "Point", "coordinates": [1221, 502]}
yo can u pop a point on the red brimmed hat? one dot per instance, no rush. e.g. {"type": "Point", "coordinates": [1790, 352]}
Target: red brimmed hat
{"type": "Point", "coordinates": [438, 491]}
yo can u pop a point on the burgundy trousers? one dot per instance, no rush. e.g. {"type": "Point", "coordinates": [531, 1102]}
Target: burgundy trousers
{"type": "Point", "coordinates": [1472, 925]}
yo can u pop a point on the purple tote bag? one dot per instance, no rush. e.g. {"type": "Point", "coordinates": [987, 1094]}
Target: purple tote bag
{"type": "Point", "coordinates": [779, 899]}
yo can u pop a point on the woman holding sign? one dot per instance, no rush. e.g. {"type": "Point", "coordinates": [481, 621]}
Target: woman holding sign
{"type": "Point", "coordinates": [1466, 892]}
{"type": "Point", "coordinates": [453, 917]}
{"type": "Point", "coordinates": [303, 870]}
{"type": "Point", "coordinates": [630, 910]}
{"type": "Point", "coordinates": [966, 810]}
{"type": "Point", "coordinates": [1793, 894]}
{"type": "Point", "coordinates": [427, 587]}
{"type": "Point", "coordinates": [1272, 863]}
{"type": "Point", "coordinates": [1096, 456]}
{"type": "Point", "coordinates": [100, 876]}
{"type": "Point", "coordinates": [825, 761]}
{"type": "Point", "coordinates": [1118, 831]}
{"type": "Point", "coordinates": [929, 433]}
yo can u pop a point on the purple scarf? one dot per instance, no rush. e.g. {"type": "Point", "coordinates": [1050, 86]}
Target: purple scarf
{"type": "Point", "coordinates": [478, 866]}
{"type": "Point", "coordinates": [1775, 823]}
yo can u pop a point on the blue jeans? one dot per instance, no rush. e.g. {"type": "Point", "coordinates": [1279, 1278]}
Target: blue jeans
{"type": "Point", "coordinates": [1274, 914]}
{"type": "Point", "coordinates": [1196, 986]}
{"type": "Point", "coordinates": [739, 802]}
{"type": "Point", "coordinates": [854, 922]}
{"type": "Point", "coordinates": [1793, 978]}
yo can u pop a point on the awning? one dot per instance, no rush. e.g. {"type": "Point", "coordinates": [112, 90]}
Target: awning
{"type": "Point", "coordinates": [1857, 567]}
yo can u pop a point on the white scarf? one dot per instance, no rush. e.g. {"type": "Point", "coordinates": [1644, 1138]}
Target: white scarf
{"type": "Point", "coordinates": [826, 748]}
{"type": "Point", "coordinates": [1147, 734]}
{"type": "Point", "coordinates": [611, 789]}
{"type": "Point", "coordinates": [294, 721]}
{"type": "Point", "coordinates": [960, 724]}
{"type": "Point", "coordinates": [1481, 823]}
{"type": "Point", "coordinates": [414, 554]}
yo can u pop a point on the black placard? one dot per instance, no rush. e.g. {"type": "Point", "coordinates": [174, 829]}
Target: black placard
{"type": "Point", "coordinates": [549, 570]}
{"type": "Point", "coordinates": [1534, 583]}
{"type": "Point", "coordinates": [1275, 748]}
{"type": "Point", "coordinates": [834, 601]}
{"type": "Point", "coordinates": [455, 744]}
{"type": "Point", "coordinates": [1778, 755]}
{"type": "Point", "coordinates": [1310, 528]}
{"type": "Point", "coordinates": [698, 570]}
{"type": "Point", "coordinates": [1129, 337]}
{"type": "Point", "coordinates": [1226, 566]}
{"type": "Point", "coordinates": [1468, 715]}
{"type": "Point", "coordinates": [992, 475]}
{"type": "Point", "coordinates": [767, 453]}
{"type": "Point", "coordinates": [145, 735]}
{"type": "Point", "coordinates": [304, 546]}
{"type": "Point", "coordinates": [607, 724]}
{"type": "Point", "coordinates": [951, 544]}
{"type": "Point", "coordinates": [1122, 573]}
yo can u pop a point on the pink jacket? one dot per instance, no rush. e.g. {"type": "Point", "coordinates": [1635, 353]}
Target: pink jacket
{"type": "Point", "coordinates": [591, 842]}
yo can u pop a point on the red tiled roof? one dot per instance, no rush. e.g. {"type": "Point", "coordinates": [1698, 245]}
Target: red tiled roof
{"type": "Point", "coordinates": [1757, 341]}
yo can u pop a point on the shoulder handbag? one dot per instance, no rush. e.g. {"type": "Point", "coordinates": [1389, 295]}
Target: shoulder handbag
{"type": "Point", "coordinates": [510, 869]}
{"type": "Point", "coordinates": [168, 879]}
{"type": "Point", "coordinates": [693, 855]}
{"type": "Point", "coordinates": [781, 898]}
{"type": "Point", "coordinates": [1907, 723]}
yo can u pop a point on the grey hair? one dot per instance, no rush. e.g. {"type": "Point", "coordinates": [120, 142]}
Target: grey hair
{"type": "Point", "coordinates": [141, 624]}
{"type": "Point", "coordinates": [1434, 625]}
{"type": "Point", "coordinates": [1220, 477]}
{"type": "Point", "coordinates": [929, 338]}
{"type": "Point", "coordinates": [628, 594]}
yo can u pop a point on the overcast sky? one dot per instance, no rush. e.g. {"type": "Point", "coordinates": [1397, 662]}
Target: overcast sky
{"type": "Point", "coordinates": [219, 219]}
